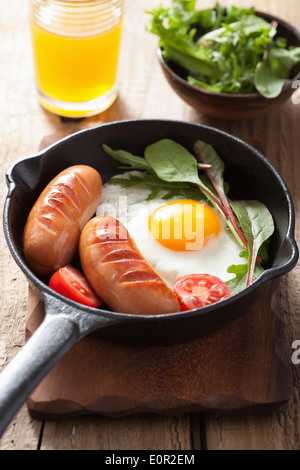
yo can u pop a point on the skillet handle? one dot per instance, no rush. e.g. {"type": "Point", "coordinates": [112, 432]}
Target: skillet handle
{"type": "Point", "coordinates": [48, 344]}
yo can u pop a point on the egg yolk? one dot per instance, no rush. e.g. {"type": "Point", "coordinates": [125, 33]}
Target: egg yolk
{"type": "Point", "coordinates": [184, 225]}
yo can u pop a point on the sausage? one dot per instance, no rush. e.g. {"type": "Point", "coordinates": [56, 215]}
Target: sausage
{"type": "Point", "coordinates": [53, 226]}
{"type": "Point", "coordinates": [118, 272]}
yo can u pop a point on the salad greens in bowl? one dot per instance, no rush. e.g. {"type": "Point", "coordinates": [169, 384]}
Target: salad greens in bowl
{"type": "Point", "coordinates": [227, 62]}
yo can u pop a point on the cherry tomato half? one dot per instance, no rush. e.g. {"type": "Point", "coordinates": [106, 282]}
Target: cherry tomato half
{"type": "Point", "coordinates": [71, 283]}
{"type": "Point", "coordinates": [200, 290]}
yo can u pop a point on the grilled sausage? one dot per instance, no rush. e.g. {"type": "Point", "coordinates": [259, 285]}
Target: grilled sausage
{"type": "Point", "coordinates": [119, 273]}
{"type": "Point", "coordinates": [53, 226]}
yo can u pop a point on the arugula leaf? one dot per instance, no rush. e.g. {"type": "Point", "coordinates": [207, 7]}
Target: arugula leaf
{"type": "Point", "coordinates": [132, 161]}
{"type": "Point", "coordinates": [239, 282]}
{"type": "Point", "coordinates": [195, 62]}
{"type": "Point", "coordinates": [156, 185]}
{"type": "Point", "coordinates": [216, 88]}
{"type": "Point", "coordinates": [258, 226]}
{"type": "Point", "coordinates": [149, 177]}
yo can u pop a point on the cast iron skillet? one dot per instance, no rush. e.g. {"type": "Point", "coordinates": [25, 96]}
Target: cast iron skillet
{"type": "Point", "coordinates": [250, 176]}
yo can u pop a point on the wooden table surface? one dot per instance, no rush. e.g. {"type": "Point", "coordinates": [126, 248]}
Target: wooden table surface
{"type": "Point", "coordinates": [143, 93]}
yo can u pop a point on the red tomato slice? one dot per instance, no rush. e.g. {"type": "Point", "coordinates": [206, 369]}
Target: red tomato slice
{"type": "Point", "coordinates": [200, 290]}
{"type": "Point", "coordinates": [71, 283]}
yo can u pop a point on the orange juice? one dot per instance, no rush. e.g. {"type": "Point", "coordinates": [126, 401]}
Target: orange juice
{"type": "Point", "coordinates": [76, 74]}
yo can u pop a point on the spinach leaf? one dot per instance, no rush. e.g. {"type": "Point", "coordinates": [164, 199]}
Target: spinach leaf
{"type": "Point", "coordinates": [271, 74]}
{"type": "Point", "coordinates": [281, 61]}
{"type": "Point", "coordinates": [172, 162]}
{"type": "Point", "coordinates": [267, 84]}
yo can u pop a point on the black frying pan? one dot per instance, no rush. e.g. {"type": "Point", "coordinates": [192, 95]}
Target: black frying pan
{"type": "Point", "coordinates": [250, 176]}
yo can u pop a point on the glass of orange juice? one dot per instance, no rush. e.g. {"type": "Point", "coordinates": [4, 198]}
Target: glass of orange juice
{"type": "Point", "coordinates": [75, 49]}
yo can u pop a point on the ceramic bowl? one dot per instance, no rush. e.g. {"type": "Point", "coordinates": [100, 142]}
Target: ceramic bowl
{"type": "Point", "coordinates": [223, 105]}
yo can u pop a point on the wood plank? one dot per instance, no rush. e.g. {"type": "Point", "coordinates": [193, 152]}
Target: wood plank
{"type": "Point", "coordinates": [128, 433]}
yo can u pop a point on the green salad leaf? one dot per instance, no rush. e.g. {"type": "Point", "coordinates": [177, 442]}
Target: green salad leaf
{"type": "Point", "coordinates": [127, 158]}
{"type": "Point", "coordinates": [272, 73]}
{"type": "Point", "coordinates": [239, 282]}
{"type": "Point", "coordinates": [258, 226]}
{"type": "Point", "coordinates": [172, 162]}
{"type": "Point", "coordinates": [224, 50]}
{"type": "Point", "coordinates": [157, 186]}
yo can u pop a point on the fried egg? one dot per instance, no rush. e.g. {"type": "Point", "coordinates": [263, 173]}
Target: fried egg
{"type": "Point", "coordinates": [177, 237]}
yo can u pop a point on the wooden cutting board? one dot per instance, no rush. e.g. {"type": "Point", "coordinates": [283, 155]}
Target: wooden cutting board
{"type": "Point", "coordinates": [245, 366]}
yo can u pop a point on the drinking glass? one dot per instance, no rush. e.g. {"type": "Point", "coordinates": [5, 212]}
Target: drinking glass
{"type": "Point", "coordinates": [75, 49]}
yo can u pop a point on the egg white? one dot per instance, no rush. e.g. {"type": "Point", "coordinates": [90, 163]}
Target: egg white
{"type": "Point", "coordinates": [132, 209]}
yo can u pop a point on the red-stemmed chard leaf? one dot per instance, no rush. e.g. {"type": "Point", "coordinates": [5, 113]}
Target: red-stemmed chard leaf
{"type": "Point", "coordinates": [172, 162]}
{"type": "Point", "coordinates": [208, 156]}
{"type": "Point", "coordinates": [258, 226]}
